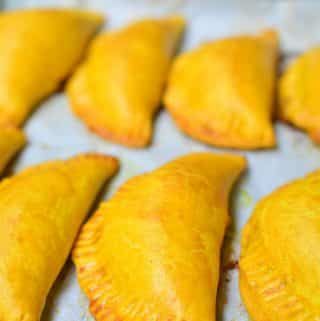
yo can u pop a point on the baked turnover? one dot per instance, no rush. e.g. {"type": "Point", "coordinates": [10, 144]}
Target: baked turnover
{"type": "Point", "coordinates": [152, 252]}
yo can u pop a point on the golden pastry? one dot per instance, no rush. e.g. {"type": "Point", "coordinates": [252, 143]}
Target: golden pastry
{"type": "Point", "coordinates": [42, 209]}
{"type": "Point", "coordinates": [222, 92]}
{"type": "Point", "coordinates": [152, 252]}
{"type": "Point", "coordinates": [299, 94]}
{"type": "Point", "coordinates": [39, 48]}
{"type": "Point", "coordinates": [279, 265]}
{"type": "Point", "coordinates": [118, 88]}
{"type": "Point", "coordinates": [11, 141]}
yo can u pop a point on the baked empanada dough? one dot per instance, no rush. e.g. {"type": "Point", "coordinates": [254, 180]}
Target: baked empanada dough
{"type": "Point", "coordinates": [39, 48]}
{"type": "Point", "coordinates": [222, 92]}
{"type": "Point", "coordinates": [41, 211]}
{"type": "Point", "coordinates": [279, 265]}
{"type": "Point", "coordinates": [118, 88]}
{"type": "Point", "coordinates": [11, 141]}
{"type": "Point", "coordinates": [299, 93]}
{"type": "Point", "coordinates": [152, 252]}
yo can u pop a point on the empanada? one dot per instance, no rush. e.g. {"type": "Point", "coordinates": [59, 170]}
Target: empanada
{"type": "Point", "coordinates": [11, 141]}
{"type": "Point", "coordinates": [39, 48]}
{"type": "Point", "coordinates": [41, 211]}
{"type": "Point", "coordinates": [118, 88]}
{"type": "Point", "coordinates": [222, 92]}
{"type": "Point", "coordinates": [152, 252]}
{"type": "Point", "coordinates": [299, 93]}
{"type": "Point", "coordinates": [279, 265]}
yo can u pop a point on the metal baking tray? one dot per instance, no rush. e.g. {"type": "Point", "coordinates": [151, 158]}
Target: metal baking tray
{"type": "Point", "coordinates": [54, 132]}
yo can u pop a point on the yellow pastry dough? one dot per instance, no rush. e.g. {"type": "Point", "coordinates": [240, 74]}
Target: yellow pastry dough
{"type": "Point", "coordinates": [39, 48]}
{"type": "Point", "coordinates": [279, 265]}
{"type": "Point", "coordinates": [41, 211]}
{"type": "Point", "coordinates": [222, 92]}
{"type": "Point", "coordinates": [152, 252]}
{"type": "Point", "coordinates": [299, 93]}
{"type": "Point", "coordinates": [118, 89]}
{"type": "Point", "coordinates": [11, 141]}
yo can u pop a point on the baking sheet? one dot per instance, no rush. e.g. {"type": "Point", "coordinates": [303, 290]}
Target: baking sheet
{"type": "Point", "coordinates": [54, 132]}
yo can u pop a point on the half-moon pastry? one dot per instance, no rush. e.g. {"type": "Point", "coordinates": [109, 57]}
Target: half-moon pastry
{"type": "Point", "coordinates": [299, 93]}
{"type": "Point", "coordinates": [222, 92]}
{"type": "Point", "coordinates": [279, 265]}
{"type": "Point", "coordinates": [118, 88]}
{"type": "Point", "coordinates": [152, 252]}
{"type": "Point", "coordinates": [11, 141]}
{"type": "Point", "coordinates": [42, 209]}
{"type": "Point", "coordinates": [39, 48]}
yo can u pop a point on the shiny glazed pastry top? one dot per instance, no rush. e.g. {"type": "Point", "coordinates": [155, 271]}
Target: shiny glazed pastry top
{"type": "Point", "coordinates": [222, 92]}
{"type": "Point", "coordinates": [299, 94]}
{"type": "Point", "coordinates": [152, 252]}
{"type": "Point", "coordinates": [39, 48]}
{"type": "Point", "coordinates": [279, 265]}
{"type": "Point", "coordinates": [41, 211]}
{"type": "Point", "coordinates": [118, 88]}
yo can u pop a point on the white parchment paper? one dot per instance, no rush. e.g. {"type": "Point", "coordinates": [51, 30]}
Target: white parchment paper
{"type": "Point", "coordinates": [54, 132]}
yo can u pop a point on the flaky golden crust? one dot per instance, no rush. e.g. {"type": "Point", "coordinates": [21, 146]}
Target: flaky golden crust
{"type": "Point", "coordinates": [93, 279]}
{"type": "Point", "coordinates": [299, 95]}
{"type": "Point", "coordinates": [222, 93]}
{"type": "Point", "coordinates": [42, 209]}
{"type": "Point", "coordinates": [39, 48]}
{"type": "Point", "coordinates": [227, 139]}
{"type": "Point", "coordinates": [279, 268]}
{"type": "Point", "coordinates": [117, 90]}
{"type": "Point", "coordinates": [138, 135]}
{"type": "Point", "coordinates": [133, 257]}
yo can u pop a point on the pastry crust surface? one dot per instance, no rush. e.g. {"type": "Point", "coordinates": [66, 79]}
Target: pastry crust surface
{"type": "Point", "coordinates": [299, 93]}
{"type": "Point", "coordinates": [42, 209]}
{"type": "Point", "coordinates": [117, 90]}
{"type": "Point", "coordinates": [152, 252]}
{"type": "Point", "coordinates": [11, 141]}
{"type": "Point", "coordinates": [39, 48]}
{"type": "Point", "coordinates": [222, 92]}
{"type": "Point", "coordinates": [279, 264]}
